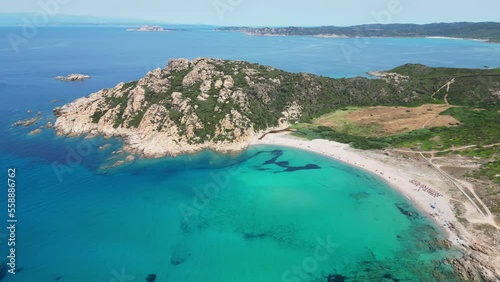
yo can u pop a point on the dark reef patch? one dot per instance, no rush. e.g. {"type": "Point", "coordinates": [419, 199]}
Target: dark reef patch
{"type": "Point", "coordinates": [283, 164]}
{"type": "Point", "coordinates": [253, 236]}
{"type": "Point", "coordinates": [336, 278]}
{"type": "Point", "coordinates": [151, 278]}
{"type": "Point", "coordinates": [359, 196]}
{"type": "Point", "coordinates": [176, 261]}
{"type": "Point", "coordinates": [405, 210]}
{"type": "Point", "coordinates": [296, 168]}
{"type": "Point", "coordinates": [261, 169]}
{"type": "Point", "coordinates": [276, 153]}
{"type": "Point", "coordinates": [179, 256]}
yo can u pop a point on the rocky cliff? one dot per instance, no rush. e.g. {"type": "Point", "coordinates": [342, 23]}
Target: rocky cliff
{"type": "Point", "coordinates": [184, 108]}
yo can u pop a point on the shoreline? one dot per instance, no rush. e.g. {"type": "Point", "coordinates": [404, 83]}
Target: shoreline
{"type": "Point", "coordinates": [459, 38]}
{"type": "Point", "coordinates": [335, 36]}
{"type": "Point", "coordinates": [416, 204]}
{"type": "Point", "coordinates": [396, 178]}
{"type": "Point", "coordinates": [398, 171]}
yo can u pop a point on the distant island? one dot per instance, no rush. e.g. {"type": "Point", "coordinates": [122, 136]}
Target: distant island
{"type": "Point", "coordinates": [148, 28]}
{"type": "Point", "coordinates": [487, 31]}
{"type": "Point", "coordinates": [73, 77]}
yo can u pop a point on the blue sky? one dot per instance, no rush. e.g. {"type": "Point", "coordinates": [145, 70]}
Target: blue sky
{"type": "Point", "coordinates": [273, 12]}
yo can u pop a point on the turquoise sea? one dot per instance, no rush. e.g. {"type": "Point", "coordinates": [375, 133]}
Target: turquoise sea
{"type": "Point", "coordinates": [268, 214]}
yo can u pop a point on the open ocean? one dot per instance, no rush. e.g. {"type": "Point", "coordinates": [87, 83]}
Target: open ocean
{"type": "Point", "coordinates": [263, 215]}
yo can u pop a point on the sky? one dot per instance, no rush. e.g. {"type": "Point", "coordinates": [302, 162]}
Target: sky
{"type": "Point", "coordinates": [269, 12]}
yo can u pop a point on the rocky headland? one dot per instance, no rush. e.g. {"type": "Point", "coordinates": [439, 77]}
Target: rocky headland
{"type": "Point", "coordinates": [187, 107]}
{"type": "Point", "coordinates": [222, 105]}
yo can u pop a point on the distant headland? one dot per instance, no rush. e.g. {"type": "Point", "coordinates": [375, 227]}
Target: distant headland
{"type": "Point", "coordinates": [486, 31]}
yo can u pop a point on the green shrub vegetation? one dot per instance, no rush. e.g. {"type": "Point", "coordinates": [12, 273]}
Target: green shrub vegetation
{"type": "Point", "coordinates": [473, 95]}
{"type": "Point", "coordinates": [478, 127]}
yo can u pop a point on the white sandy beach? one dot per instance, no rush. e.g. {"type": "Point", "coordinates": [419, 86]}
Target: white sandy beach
{"type": "Point", "coordinates": [456, 38]}
{"type": "Point", "coordinates": [396, 172]}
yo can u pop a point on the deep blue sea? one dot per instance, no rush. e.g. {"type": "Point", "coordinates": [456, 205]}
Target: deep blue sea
{"type": "Point", "coordinates": [204, 217]}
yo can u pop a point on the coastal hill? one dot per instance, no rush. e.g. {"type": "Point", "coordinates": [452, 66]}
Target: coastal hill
{"type": "Point", "coordinates": [488, 31]}
{"type": "Point", "coordinates": [222, 105]}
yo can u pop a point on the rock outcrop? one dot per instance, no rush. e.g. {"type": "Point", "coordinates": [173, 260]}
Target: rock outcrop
{"type": "Point", "coordinates": [73, 77]}
{"type": "Point", "coordinates": [27, 122]}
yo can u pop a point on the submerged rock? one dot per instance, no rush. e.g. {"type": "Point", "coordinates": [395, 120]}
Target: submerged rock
{"type": "Point", "coordinates": [35, 132]}
{"type": "Point", "coordinates": [336, 278]}
{"type": "Point", "coordinates": [103, 147]}
{"type": "Point", "coordinates": [26, 122]}
{"type": "Point", "coordinates": [177, 260]}
{"type": "Point", "coordinates": [404, 209]}
{"type": "Point", "coordinates": [151, 278]}
{"type": "Point", "coordinates": [251, 236]}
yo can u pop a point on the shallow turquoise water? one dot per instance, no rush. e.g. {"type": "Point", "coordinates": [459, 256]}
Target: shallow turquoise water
{"type": "Point", "coordinates": [219, 218]}
{"type": "Point", "coordinates": [259, 222]}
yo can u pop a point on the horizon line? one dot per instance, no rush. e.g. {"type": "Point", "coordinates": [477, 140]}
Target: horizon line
{"type": "Point", "coordinates": [137, 21]}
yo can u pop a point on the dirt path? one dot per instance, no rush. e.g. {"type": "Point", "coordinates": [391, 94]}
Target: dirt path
{"type": "Point", "coordinates": [448, 91]}
{"type": "Point", "coordinates": [451, 149]}
{"type": "Point", "coordinates": [478, 204]}
{"type": "Point", "coordinates": [447, 85]}
{"type": "Point", "coordinates": [476, 201]}
{"type": "Point", "coordinates": [276, 131]}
